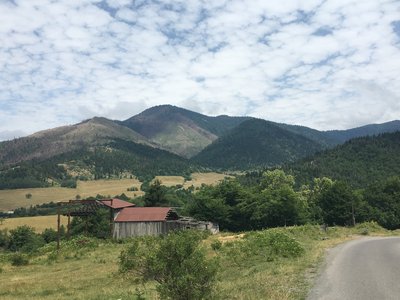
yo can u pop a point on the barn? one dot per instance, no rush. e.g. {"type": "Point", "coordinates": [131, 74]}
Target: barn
{"type": "Point", "coordinates": [127, 220]}
{"type": "Point", "coordinates": [139, 221]}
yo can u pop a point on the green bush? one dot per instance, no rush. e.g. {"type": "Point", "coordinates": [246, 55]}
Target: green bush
{"type": "Point", "coordinates": [49, 235]}
{"type": "Point", "coordinates": [175, 262]}
{"type": "Point", "coordinates": [19, 259]}
{"type": "Point", "coordinates": [273, 244]}
{"type": "Point", "coordinates": [24, 239]}
{"type": "Point", "coordinates": [4, 238]}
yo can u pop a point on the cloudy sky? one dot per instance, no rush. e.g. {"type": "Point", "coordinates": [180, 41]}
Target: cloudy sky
{"type": "Point", "coordinates": [321, 63]}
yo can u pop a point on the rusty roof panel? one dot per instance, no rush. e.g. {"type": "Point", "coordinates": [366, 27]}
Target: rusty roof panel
{"type": "Point", "coordinates": [116, 203]}
{"type": "Point", "coordinates": [146, 214]}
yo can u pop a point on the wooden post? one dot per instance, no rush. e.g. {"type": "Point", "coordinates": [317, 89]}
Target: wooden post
{"type": "Point", "coordinates": [68, 224]}
{"type": "Point", "coordinates": [111, 220]}
{"type": "Point", "coordinates": [58, 226]}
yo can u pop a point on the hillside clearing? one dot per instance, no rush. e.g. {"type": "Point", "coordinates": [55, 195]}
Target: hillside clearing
{"type": "Point", "coordinates": [11, 199]}
{"type": "Point", "coordinates": [39, 223]}
{"type": "Point", "coordinates": [209, 178]}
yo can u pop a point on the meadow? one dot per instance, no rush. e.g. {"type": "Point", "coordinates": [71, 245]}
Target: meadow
{"type": "Point", "coordinates": [92, 273]}
{"type": "Point", "coordinates": [39, 223]}
{"type": "Point", "coordinates": [11, 199]}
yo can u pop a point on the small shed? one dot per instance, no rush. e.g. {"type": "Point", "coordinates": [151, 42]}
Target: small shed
{"type": "Point", "coordinates": [138, 221]}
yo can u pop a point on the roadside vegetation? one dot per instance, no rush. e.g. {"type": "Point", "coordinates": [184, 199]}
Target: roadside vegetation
{"type": "Point", "coordinates": [276, 263]}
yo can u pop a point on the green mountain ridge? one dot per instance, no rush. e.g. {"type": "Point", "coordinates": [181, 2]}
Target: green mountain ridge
{"type": "Point", "coordinates": [256, 143]}
{"type": "Point", "coordinates": [359, 161]}
{"type": "Point", "coordinates": [221, 142]}
{"type": "Point", "coordinates": [49, 143]}
{"type": "Point", "coordinates": [179, 130]}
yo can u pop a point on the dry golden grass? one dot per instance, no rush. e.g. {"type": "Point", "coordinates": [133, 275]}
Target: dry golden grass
{"type": "Point", "coordinates": [11, 199]}
{"type": "Point", "coordinates": [40, 223]}
{"type": "Point", "coordinates": [170, 180]}
{"type": "Point", "coordinates": [209, 178]}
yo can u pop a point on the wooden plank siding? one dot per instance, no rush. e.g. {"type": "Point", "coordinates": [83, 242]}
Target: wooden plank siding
{"type": "Point", "coordinates": [131, 229]}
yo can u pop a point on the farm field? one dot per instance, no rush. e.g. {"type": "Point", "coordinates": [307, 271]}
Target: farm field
{"type": "Point", "coordinates": [11, 199]}
{"type": "Point", "coordinates": [205, 178]}
{"type": "Point", "coordinates": [92, 273]}
{"type": "Point", "coordinates": [39, 223]}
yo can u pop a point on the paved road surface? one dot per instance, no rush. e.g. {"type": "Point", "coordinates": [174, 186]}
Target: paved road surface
{"type": "Point", "coordinates": [364, 269]}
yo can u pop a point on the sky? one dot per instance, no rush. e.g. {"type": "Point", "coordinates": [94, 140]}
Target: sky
{"type": "Point", "coordinates": [325, 64]}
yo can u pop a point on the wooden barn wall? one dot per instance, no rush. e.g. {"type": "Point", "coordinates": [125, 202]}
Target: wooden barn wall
{"type": "Point", "coordinates": [129, 229]}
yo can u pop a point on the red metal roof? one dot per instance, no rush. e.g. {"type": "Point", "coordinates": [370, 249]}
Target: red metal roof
{"type": "Point", "coordinates": [116, 203]}
{"type": "Point", "coordinates": [144, 214]}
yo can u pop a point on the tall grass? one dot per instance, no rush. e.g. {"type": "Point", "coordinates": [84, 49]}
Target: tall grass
{"type": "Point", "coordinates": [271, 264]}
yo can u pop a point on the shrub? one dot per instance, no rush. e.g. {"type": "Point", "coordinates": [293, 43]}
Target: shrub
{"type": "Point", "coordinates": [24, 239]}
{"type": "Point", "coordinates": [4, 238]}
{"type": "Point", "coordinates": [49, 235]}
{"type": "Point", "coordinates": [176, 262]}
{"type": "Point", "coordinates": [273, 244]}
{"type": "Point", "coordinates": [19, 259]}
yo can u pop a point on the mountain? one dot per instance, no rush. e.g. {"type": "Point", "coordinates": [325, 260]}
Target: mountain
{"type": "Point", "coordinates": [180, 131]}
{"type": "Point", "coordinates": [359, 161]}
{"type": "Point", "coordinates": [341, 136]}
{"type": "Point", "coordinates": [48, 143]}
{"type": "Point", "coordinates": [112, 159]}
{"type": "Point", "coordinates": [256, 143]}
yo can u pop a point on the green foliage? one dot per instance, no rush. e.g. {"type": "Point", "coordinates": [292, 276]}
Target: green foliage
{"type": "Point", "coordinates": [359, 162]}
{"type": "Point", "coordinates": [24, 239]}
{"type": "Point", "coordinates": [96, 224]}
{"type": "Point", "coordinates": [256, 144]}
{"type": "Point", "coordinates": [49, 235]}
{"type": "Point", "coordinates": [19, 259]}
{"type": "Point", "coordinates": [156, 195]}
{"type": "Point", "coordinates": [337, 204]}
{"type": "Point", "coordinates": [235, 207]}
{"type": "Point", "coordinates": [384, 201]}
{"type": "Point", "coordinates": [69, 183]}
{"type": "Point", "coordinates": [274, 244]}
{"type": "Point", "coordinates": [160, 195]}
{"type": "Point", "coordinates": [4, 238]}
{"type": "Point", "coordinates": [176, 262]}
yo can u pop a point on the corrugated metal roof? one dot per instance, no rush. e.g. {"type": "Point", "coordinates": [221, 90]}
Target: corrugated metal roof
{"type": "Point", "coordinates": [146, 214]}
{"type": "Point", "coordinates": [116, 203]}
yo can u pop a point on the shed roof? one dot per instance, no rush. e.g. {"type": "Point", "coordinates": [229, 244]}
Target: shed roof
{"type": "Point", "coordinates": [146, 214]}
{"type": "Point", "coordinates": [116, 203]}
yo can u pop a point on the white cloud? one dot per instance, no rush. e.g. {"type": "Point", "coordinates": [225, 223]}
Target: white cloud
{"type": "Point", "coordinates": [324, 64]}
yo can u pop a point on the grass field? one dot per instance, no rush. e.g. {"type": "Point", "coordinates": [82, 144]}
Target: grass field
{"type": "Point", "coordinates": [40, 223]}
{"type": "Point", "coordinates": [94, 274]}
{"type": "Point", "coordinates": [11, 199]}
{"type": "Point", "coordinates": [210, 178]}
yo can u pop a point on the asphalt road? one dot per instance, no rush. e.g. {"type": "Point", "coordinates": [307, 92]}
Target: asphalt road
{"type": "Point", "coordinates": [364, 269]}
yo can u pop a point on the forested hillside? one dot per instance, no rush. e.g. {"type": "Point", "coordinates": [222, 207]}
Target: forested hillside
{"type": "Point", "coordinates": [256, 144]}
{"type": "Point", "coordinates": [111, 160]}
{"type": "Point", "coordinates": [48, 143]}
{"type": "Point", "coordinates": [360, 161]}
{"type": "Point", "coordinates": [180, 130]}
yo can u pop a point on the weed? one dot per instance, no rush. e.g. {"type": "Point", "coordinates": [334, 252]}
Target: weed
{"type": "Point", "coordinates": [19, 259]}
